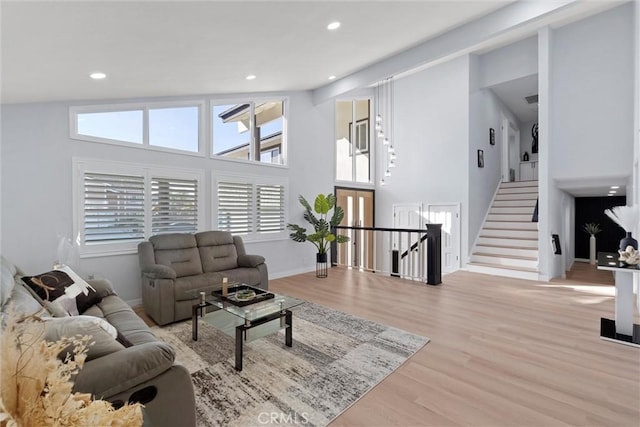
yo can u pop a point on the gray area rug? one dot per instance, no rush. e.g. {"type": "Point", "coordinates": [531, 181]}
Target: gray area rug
{"type": "Point", "coordinates": [336, 358]}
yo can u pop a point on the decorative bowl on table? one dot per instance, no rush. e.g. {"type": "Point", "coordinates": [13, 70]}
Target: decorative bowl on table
{"type": "Point", "coordinates": [245, 295]}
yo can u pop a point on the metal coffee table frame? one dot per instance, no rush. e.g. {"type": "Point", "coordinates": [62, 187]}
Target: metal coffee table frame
{"type": "Point", "coordinates": [199, 310]}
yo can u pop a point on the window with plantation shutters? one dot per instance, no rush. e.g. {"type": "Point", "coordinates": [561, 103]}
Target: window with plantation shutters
{"type": "Point", "coordinates": [174, 205]}
{"type": "Point", "coordinates": [113, 207]}
{"type": "Point", "coordinates": [254, 206]}
{"type": "Point", "coordinates": [118, 205]}
{"type": "Point", "coordinates": [235, 207]}
{"type": "Point", "coordinates": [270, 208]}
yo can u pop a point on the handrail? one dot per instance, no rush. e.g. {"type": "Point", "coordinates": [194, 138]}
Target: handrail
{"type": "Point", "coordinates": [414, 246]}
{"type": "Point", "coordinates": [402, 230]}
{"type": "Point", "coordinates": [375, 244]}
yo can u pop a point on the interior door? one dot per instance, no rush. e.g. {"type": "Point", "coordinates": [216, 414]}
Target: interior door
{"type": "Point", "coordinates": [449, 216]}
{"type": "Point", "coordinates": [358, 206]}
{"type": "Point", "coordinates": [407, 216]}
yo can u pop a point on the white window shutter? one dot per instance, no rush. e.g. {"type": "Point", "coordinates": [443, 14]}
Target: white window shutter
{"type": "Point", "coordinates": [270, 212]}
{"type": "Point", "coordinates": [113, 208]}
{"type": "Point", "coordinates": [235, 207]}
{"type": "Point", "coordinates": [174, 205]}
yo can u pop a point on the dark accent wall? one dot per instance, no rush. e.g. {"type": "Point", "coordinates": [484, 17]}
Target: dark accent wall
{"type": "Point", "coordinates": [591, 209]}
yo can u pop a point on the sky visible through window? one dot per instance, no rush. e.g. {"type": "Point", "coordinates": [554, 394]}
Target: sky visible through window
{"type": "Point", "coordinates": [229, 135]}
{"type": "Point", "coordinates": [175, 128]}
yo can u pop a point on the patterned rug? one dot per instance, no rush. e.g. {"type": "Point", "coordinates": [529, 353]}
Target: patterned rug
{"type": "Point", "coordinates": [336, 358]}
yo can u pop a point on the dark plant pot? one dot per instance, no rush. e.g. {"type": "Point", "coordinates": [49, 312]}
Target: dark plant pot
{"type": "Point", "coordinates": [321, 265]}
{"type": "Point", "coordinates": [628, 241]}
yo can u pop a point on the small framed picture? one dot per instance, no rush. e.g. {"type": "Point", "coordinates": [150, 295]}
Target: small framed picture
{"type": "Point", "coordinates": [555, 244]}
{"type": "Point", "coordinates": [492, 136]}
{"type": "Point", "coordinates": [480, 158]}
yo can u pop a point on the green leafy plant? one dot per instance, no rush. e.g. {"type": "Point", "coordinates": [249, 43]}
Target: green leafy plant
{"type": "Point", "coordinates": [592, 228]}
{"type": "Point", "coordinates": [318, 217]}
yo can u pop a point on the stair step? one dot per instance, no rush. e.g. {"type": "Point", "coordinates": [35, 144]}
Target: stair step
{"type": "Point", "coordinates": [507, 256]}
{"type": "Point", "coordinates": [504, 251]}
{"type": "Point", "coordinates": [520, 273]}
{"type": "Point", "coordinates": [511, 210]}
{"type": "Point", "coordinates": [508, 242]}
{"type": "Point", "coordinates": [517, 196]}
{"type": "Point", "coordinates": [518, 190]}
{"type": "Point", "coordinates": [531, 203]}
{"type": "Point", "coordinates": [510, 217]}
{"type": "Point", "coordinates": [505, 261]}
{"type": "Point", "coordinates": [502, 233]}
{"type": "Point", "coordinates": [510, 225]}
{"type": "Point", "coordinates": [519, 184]}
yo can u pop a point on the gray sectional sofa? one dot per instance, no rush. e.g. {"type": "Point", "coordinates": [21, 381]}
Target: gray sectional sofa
{"type": "Point", "coordinates": [142, 369]}
{"type": "Point", "coordinates": [172, 266]}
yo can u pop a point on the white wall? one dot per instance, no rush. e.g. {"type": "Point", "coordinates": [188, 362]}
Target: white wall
{"type": "Point", "coordinates": [508, 63]}
{"type": "Point", "coordinates": [37, 186]}
{"type": "Point", "coordinates": [431, 125]}
{"type": "Point", "coordinates": [485, 111]}
{"type": "Point", "coordinates": [636, 198]}
{"type": "Point", "coordinates": [592, 97]}
{"type": "Point", "coordinates": [587, 77]}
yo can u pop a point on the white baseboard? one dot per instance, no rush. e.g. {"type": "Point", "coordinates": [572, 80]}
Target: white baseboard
{"type": "Point", "coordinates": [134, 302]}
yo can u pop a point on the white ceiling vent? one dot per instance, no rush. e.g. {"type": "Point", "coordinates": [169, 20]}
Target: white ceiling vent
{"type": "Point", "coordinates": [532, 99]}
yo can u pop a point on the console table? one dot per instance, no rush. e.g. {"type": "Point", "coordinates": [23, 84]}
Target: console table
{"type": "Point", "coordinates": [621, 330]}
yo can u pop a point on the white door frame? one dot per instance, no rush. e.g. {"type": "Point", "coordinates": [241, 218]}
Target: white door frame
{"type": "Point", "coordinates": [507, 127]}
{"type": "Point", "coordinates": [458, 228]}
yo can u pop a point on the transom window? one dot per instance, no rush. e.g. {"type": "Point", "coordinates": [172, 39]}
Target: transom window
{"type": "Point", "coordinates": [254, 131]}
{"type": "Point", "coordinates": [174, 126]}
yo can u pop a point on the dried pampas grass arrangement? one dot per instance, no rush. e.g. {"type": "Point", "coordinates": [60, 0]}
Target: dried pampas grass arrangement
{"type": "Point", "coordinates": [626, 217]}
{"type": "Point", "coordinates": [36, 386]}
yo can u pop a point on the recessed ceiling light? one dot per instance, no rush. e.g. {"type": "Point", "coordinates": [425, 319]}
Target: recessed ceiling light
{"type": "Point", "coordinates": [612, 191]}
{"type": "Point", "coordinates": [97, 76]}
{"type": "Point", "coordinates": [251, 77]}
{"type": "Point", "coordinates": [333, 26]}
{"type": "Point", "coordinates": [615, 187]}
{"type": "Point", "coordinates": [332, 77]}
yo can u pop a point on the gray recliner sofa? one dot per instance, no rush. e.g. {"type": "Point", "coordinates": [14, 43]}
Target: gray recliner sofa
{"type": "Point", "coordinates": [172, 266]}
{"type": "Point", "coordinates": [144, 371]}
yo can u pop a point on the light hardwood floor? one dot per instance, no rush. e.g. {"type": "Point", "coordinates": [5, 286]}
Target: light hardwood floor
{"type": "Point", "coordinates": [503, 352]}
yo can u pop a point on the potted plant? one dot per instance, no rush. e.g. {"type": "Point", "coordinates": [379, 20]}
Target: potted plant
{"type": "Point", "coordinates": [322, 224]}
{"type": "Point", "coordinates": [592, 229]}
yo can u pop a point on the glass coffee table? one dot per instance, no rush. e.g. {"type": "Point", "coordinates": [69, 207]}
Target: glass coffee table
{"type": "Point", "coordinates": [246, 313]}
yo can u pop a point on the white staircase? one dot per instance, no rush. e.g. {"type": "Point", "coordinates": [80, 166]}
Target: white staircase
{"type": "Point", "coordinates": [508, 242]}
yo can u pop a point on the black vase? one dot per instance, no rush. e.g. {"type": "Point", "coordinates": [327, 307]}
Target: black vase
{"type": "Point", "coordinates": [628, 241]}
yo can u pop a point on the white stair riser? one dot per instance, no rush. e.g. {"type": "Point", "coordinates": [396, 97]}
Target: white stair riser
{"type": "Point", "coordinates": [531, 203]}
{"type": "Point", "coordinates": [493, 250]}
{"type": "Point", "coordinates": [507, 262]}
{"type": "Point", "coordinates": [519, 184]}
{"type": "Point", "coordinates": [506, 243]}
{"type": "Point", "coordinates": [527, 275]}
{"type": "Point", "coordinates": [520, 196]}
{"type": "Point", "coordinates": [501, 210]}
{"type": "Point", "coordinates": [518, 190]}
{"type": "Point", "coordinates": [511, 225]}
{"type": "Point", "coordinates": [510, 217]}
{"type": "Point", "coordinates": [524, 234]}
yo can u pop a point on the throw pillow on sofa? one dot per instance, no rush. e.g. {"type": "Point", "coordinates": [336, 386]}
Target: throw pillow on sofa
{"type": "Point", "coordinates": [103, 335]}
{"type": "Point", "coordinates": [65, 288]}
